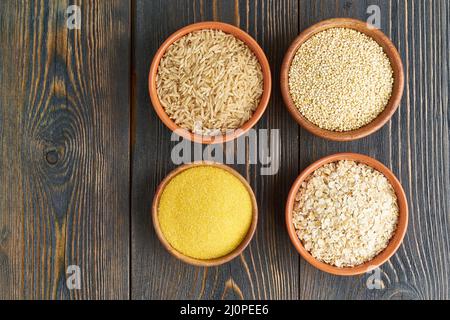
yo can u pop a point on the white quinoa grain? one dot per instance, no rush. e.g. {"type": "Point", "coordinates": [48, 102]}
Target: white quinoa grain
{"type": "Point", "coordinates": [340, 79]}
{"type": "Point", "coordinates": [345, 213]}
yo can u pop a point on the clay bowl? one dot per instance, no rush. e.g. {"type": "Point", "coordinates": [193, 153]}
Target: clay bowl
{"type": "Point", "coordinates": [394, 243]}
{"type": "Point", "coordinates": [190, 260]}
{"type": "Point", "coordinates": [396, 64]}
{"type": "Point", "coordinates": [241, 35]}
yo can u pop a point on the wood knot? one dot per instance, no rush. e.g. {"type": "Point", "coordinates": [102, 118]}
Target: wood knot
{"type": "Point", "coordinates": [52, 157]}
{"type": "Point", "coordinates": [348, 5]}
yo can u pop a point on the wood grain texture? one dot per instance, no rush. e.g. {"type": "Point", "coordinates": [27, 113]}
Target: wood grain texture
{"type": "Point", "coordinates": [64, 119]}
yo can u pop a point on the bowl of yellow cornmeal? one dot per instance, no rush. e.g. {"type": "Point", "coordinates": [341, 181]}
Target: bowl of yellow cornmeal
{"type": "Point", "coordinates": [204, 213]}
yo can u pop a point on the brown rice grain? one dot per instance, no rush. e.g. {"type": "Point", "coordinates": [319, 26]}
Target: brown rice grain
{"type": "Point", "coordinates": [209, 82]}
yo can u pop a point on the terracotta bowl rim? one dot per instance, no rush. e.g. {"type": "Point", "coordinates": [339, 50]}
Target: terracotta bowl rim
{"type": "Point", "coordinates": [254, 47]}
{"type": "Point", "coordinates": [394, 243]}
{"type": "Point", "coordinates": [204, 262]}
{"type": "Point", "coordinates": [389, 49]}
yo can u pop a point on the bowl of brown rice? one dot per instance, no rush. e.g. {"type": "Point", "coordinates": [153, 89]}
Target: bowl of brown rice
{"type": "Point", "coordinates": [342, 79]}
{"type": "Point", "coordinates": [210, 82]}
{"type": "Point", "coordinates": [346, 214]}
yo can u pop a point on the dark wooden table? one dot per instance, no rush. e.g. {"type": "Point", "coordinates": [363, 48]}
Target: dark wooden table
{"type": "Point", "coordinates": [82, 152]}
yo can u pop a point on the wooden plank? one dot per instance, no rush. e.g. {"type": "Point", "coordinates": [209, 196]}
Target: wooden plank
{"type": "Point", "coordinates": [266, 269]}
{"type": "Point", "coordinates": [154, 273]}
{"type": "Point", "coordinates": [269, 268]}
{"type": "Point", "coordinates": [64, 190]}
{"type": "Point", "coordinates": [415, 145]}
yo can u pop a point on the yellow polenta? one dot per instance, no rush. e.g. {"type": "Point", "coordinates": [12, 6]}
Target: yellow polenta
{"type": "Point", "coordinates": [205, 212]}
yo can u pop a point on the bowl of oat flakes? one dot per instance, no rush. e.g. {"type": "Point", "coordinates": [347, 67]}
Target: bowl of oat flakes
{"type": "Point", "coordinates": [342, 79]}
{"type": "Point", "coordinates": [346, 214]}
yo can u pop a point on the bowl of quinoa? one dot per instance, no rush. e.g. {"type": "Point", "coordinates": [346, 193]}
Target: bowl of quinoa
{"type": "Point", "coordinates": [346, 214]}
{"type": "Point", "coordinates": [342, 79]}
